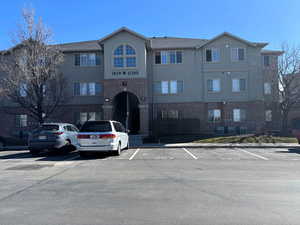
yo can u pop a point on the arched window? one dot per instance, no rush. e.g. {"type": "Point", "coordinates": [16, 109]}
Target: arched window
{"type": "Point", "coordinates": [124, 56]}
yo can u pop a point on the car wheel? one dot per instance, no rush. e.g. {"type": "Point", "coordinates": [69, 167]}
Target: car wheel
{"type": "Point", "coordinates": [127, 147]}
{"type": "Point", "coordinates": [118, 151]}
{"type": "Point", "coordinates": [83, 154]}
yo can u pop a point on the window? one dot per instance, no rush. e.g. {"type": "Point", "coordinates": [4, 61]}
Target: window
{"type": "Point", "coordinates": [238, 85]}
{"type": "Point", "coordinates": [214, 115]}
{"type": "Point", "coordinates": [213, 85]}
{"type": "Point", "coordinates": [23, 89]}
{"type": "Point", "coordinates": [266, 60]}
{"type": "Point", "coordinates": [268, 115]}
{"type": "Point", "coordinates": [237, 54]}
{"type": "Point", "coordinates": [21, 120]}
{"type": "Point", "coordinates": [168, 87]}
{"type": "Point", "coordinates": [212, 55]}
{"type": "Point", "coordinates": [82, 117]}
{"type": "Point", "coordinates": [168, 57]}
{"type": "Point", "coordinates": [87, 89]}
{"type": "Point", "coordinates": [169, 114]}
{"type": "Point", "coordinates": [87, 59]}
{"type": "Point", "coordinates": [267, 88]}
{"type": "Point", "coordinates": [239, 115]}
{"type": "Point", "coordinates": [124, 56]}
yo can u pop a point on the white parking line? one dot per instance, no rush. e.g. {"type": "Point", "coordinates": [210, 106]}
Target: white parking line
{"type": "Point", "coordinates": [253, 154]}
{"type": "Point", "coordinates": [189, 153]}
{"type": "Point", "coordinates": [134, 154]}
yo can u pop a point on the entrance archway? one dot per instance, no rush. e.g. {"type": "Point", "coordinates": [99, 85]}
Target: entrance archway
{"type": "Point", "coordinates": [126, 110]}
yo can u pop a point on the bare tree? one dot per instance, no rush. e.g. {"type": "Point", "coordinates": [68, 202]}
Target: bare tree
{"type": "Point", "coordinates": [289, 85]}
{"type": "Point", "coordinates": [32, 79]}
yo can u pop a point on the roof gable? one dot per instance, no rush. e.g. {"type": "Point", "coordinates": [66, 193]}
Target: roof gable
{"type": "Point", "coordinates": [122, 29]}
{"type": "Point", "coordinates": [253, 44]}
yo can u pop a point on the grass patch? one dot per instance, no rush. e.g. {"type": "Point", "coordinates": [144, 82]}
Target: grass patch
{"type": "Point", "coordinates": [248, 139]}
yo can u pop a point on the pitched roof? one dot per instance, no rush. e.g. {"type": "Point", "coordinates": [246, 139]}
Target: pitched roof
{"type": "Point", "coordinates": [271, 52]}
{"type": "Point", "coordinates": [253, 44]}
{"type": "Point", "coordinates": [175, 42]}
{"type": "Point", "coordinates": [121, 30]}
{"type": "Point", "coordinates": [80, 46]}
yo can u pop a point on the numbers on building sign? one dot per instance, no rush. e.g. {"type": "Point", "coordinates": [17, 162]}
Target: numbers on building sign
{"type": "Point", "coordinates": [128, 73]}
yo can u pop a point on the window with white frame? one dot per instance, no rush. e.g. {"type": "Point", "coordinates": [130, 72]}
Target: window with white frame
{"type": "Point", "coordinates": [82, 117]}
{"type": "Point", "coordinates": [21, 120]}
{"type": "Point", "coordinates": [87, 59]}
{"type": "Point", "coordinates": [268, 115]}
{"type": "Point", "coordinates": [168, 57]}
{"type": "Point", "coordinates": [212, 55]}
{"type": "Point", "coordinates": [213, 85]}
{"type": "Point", "coordinates": [239, 115]}
{"type": "Point", "coordinates": [124, 56]}
{"type": "Point", "coordinates": [87, 89]}
{"type": "Point", "coordinates": [168, 114]}
{"type": "Point", "coordinates": [267, 88]}
{"type": "Point", "coordinates": [214, 115]}
{"type": "Point", "coordinates": [237, 54]}
{"type": "Point", "coordinates": [238, 85]}
{"type": "Point", "coordinates": [266, 60]}
{"type": "Point", "coordinates": [168, 87]}
{"type": "Point", "coordinates": [23, 89]}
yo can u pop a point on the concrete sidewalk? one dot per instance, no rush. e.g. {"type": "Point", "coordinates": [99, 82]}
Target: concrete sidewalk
{"type": "Point", "coordinates": [221, 145]}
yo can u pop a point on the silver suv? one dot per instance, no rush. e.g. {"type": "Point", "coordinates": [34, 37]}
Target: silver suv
{"type": "Point", "coordinates": [53, 136]}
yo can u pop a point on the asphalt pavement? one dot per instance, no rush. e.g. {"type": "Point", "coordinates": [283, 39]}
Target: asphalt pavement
{"type": "Point", "coordinates": [152, 186]}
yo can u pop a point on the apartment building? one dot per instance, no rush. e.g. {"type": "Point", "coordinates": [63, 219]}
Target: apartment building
{"type": "Point", "coordinates": [167, 85]}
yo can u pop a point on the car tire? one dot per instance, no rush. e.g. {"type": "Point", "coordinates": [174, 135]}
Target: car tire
{"type": "Point", "coordinates": [127, 147]}
{"type": "Point", "coordinates": [118, 151]}
{"type": "Point", "coordinates": [83, 154]}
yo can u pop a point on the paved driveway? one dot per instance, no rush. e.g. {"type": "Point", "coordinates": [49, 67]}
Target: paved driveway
{"type": "Point", "coordinates": [152, 186]}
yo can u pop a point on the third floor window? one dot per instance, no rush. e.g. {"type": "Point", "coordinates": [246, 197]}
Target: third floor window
{"type": "Point", "coordinates": [212, 55]}
{"type": "Point", "coordinates": [168, 57]}
{"type": "Point", "coordinates": [237, 54]}
{"type": "Point", "coordinates": [124, 56]}
{"type": "Point", "coordinates": [87, 59]}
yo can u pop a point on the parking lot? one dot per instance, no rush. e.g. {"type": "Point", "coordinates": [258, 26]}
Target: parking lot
{"type": "Point", "coordinates": [152, 186]}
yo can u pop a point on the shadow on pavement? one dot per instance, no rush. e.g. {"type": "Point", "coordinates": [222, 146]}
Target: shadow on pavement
{"type": "Point", "coordinates": [22, 155]}
{"type": "Point", "coordinates": [291, 150]}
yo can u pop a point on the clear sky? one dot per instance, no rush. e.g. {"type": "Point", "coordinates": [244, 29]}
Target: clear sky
{"type": "Point", "coordinates": [272, 21]}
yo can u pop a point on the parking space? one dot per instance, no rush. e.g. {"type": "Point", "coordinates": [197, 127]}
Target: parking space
{"type": "Point", "coordinates": [157, 184]}
{"type": "Point", "coordinates": [158, 154]}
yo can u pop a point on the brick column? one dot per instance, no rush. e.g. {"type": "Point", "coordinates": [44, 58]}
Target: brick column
{"type": "Point", "coordinates": [107, 112]}
{"type": "Point", "coordinates": [144, 119]}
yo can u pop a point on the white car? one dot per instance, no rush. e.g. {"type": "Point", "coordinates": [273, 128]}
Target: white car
{"type": "Point", "coordinates": [102, 136]}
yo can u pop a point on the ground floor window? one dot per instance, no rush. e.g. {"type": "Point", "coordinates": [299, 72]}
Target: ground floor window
{"type": "Point", "coordinates": [168, 114]}
{"type": "Point", "coordinates": [239, 115]}
{"type": "Point", "coordinates": [21, 120]}
{"type": "Point", "coordinates": [268, 115]}
{"type": "Point", "coordinates": [214, 115]}
{"type": "Point", "coordinates": [82, 117]}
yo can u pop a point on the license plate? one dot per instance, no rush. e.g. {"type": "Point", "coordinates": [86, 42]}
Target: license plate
{"type": "Point", "coordinates": [94, 137]}
{"type": "Point", "coordinates": [42, 137]}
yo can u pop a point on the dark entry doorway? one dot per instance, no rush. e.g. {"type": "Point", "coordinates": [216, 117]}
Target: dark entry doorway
{"type": "Point", "coordinates": [126, 110]}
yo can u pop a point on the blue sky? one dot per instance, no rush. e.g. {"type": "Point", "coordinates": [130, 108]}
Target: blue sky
{"type": "Point", "coordinates": [272, 21]}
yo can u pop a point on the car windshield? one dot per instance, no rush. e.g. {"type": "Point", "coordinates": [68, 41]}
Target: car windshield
{"type": "Point", "coordinates": [49, 127]}
{"type": "Point", "coordinates": [96, 126]}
